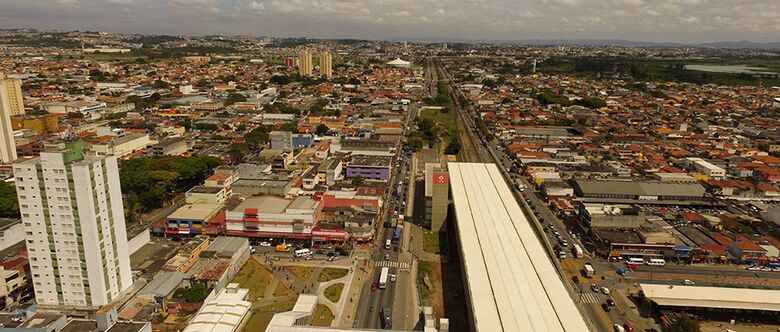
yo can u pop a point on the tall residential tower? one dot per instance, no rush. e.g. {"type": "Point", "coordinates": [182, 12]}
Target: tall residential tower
{"type": "Point", "coordinates": [305, 66]}
{"type": "Point", "coordinates": [326, 64]}
{"type": "Point", "coordinates": [7, 143]}
{"type": "Point", "coordinates": [13, 88]}
{"type": "Point", "coordinates": [74, 222]}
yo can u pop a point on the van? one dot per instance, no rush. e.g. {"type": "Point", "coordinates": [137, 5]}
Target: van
{"type": "Point", "coordinates": [387, 244]}
{"type": "Point", "coordinates": [302, 252]}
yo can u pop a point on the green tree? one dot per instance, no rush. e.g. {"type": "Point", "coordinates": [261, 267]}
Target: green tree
{"type": "Point", "coordinates": [235, 98]}
{"type": "Point", "coordinates": [358, 181]}
{"type": "Point", "coordinates": [237, 152]}
{"type": "Point", "coordinates": [453, 147]}
{"type": "Point", "coordinates": [9, 203]}
{"type": "Point", "coordinates": [684, 323]}
{"type": "Point", "coordinates": [160, 84]}
{"type": "Point", "coordinates": [415, 143]}
{"type": "Point", "coordinates": [322, 129]}
{"type": "Point", "coordinates": [257, 137]}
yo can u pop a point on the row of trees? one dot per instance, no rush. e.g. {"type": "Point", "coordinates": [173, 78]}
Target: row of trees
{"type": "Point", "coordinates": [9, 204]}
{"type": "Point", "coordinates": [147, 183]}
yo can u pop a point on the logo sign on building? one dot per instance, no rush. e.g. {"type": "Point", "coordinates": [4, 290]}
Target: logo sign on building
{"type": "Point", "coordinates": [441, 178]}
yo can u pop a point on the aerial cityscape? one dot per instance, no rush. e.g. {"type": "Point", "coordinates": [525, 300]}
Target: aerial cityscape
{"type": "Point", "coordinates": [561, 166]}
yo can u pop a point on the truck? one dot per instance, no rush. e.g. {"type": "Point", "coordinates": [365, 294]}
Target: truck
{"type": "Point", "coordinates": [577, 251]}
{"type": "Point", "coordinates": [284, 247]}
{"type": "Point", "coordinates": [383, 277]}
{"type": "Point", "coordinates": [588, 270]}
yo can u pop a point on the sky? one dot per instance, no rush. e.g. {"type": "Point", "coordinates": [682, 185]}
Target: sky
{"type": "Point", "coordinates": [687, 21]}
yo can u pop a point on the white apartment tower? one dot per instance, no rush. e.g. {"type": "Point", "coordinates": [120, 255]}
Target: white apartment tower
{"type": "Point", "coordinates": [7, 142]}
{"type": "Point", "coordinates": [305, 67]}
{"type": "Point", "coordinates": [13, 89]}
{"type": "Point", "coordinates": [74, 222]}
{"type": "Point", "coordinates": [326, 64]}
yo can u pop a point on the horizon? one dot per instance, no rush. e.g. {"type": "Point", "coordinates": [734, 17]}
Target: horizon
{"type": "Point", "coordinates": [647, 21]}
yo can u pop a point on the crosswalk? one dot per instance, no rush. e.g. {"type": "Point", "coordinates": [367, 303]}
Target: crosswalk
{"type": "Point", "coordinates": [593, 297]}
{"type": "Point", "coordinates": [400, 265]}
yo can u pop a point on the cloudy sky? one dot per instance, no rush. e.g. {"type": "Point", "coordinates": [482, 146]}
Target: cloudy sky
{"type": "Point", "coordinates": [639, 20]}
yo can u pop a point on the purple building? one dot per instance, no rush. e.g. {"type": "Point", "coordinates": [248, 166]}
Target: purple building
{"type": "Point", "coordinates": [370, 167]}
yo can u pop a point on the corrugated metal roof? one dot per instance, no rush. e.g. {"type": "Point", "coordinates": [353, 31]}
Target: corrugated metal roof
{"type": "Point", "coordinates": [512, 284]}
{"type": "Point", "coordinates": [713, 297]}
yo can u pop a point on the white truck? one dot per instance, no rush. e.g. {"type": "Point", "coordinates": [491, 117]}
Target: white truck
{"type": "Point", "coordinates": [588, 270]}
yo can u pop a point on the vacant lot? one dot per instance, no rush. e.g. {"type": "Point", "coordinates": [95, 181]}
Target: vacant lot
{"type": "Point", "coordinates": [445, 119]}
{"type": "Point", "coordinates": [434, 242]}
{"type": "Point", "coordinates": [254, 277]}
{"type": "Point", "coordinates": [332, 273]}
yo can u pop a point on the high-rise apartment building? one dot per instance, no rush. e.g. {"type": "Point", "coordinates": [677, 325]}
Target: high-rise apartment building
{"type": "Point", "coordinates": [304, 63]}
{"type": "Point", "coordinates": [13, 88]}
{"type": "Point", "coordinates": [74, 222]}
{"type": "Point", "coordinates": [7, 143]}
{"type": "Point", "coordinates": [326, 64]}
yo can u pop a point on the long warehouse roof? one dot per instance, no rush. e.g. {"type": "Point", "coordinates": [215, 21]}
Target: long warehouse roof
{"type": "Point", "coordinates": [512, 284]}
{"type": "Point", "coordinates": [713, 297]}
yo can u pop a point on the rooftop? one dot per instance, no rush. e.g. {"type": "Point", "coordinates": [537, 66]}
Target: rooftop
{"type": "Point", "coordinates": [511, 282]}
{"type": "Point", "coordinates": [713, 297]}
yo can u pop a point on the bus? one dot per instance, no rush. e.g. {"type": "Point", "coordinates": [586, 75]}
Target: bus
{"type": "Point", "coordinates": [578, 251]}
{"type": "Point", "coordinates": [635, 261]}
{"type": "Point", "coordinates": [383, 277]}
{"type": "Point", "coordinates": [397, 235]}
{"type": "Point", "coordinates": [656, 262]}
{"type": "Point", "coordinates": [387, 318]}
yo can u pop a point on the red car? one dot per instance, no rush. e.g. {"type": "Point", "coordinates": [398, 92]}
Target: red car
{"type": "Point", "coordinates": [374, 286]}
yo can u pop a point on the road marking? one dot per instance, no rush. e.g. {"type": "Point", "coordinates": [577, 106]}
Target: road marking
{"type": "Point", "coordinates": [401, 265]}
{"type": "Point", "coordinates": [593, 297]}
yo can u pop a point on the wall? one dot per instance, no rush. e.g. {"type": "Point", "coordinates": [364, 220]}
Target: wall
{"type": "Point", "coordinates": [138, 241]}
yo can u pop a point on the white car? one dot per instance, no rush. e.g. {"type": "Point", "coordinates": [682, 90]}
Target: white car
{"type": "Point", "coordinates": [754, 268]}
{"type": "Point", "coordinates": [265, 244]}
{"type": "Point", "coordinates": [688, 282]}
{"type": "Point", "coordinates": [605, 290]}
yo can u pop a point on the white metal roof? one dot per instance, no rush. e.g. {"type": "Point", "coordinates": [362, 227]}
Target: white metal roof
{"type": "Point", "coordinates": [512, 284]}
{"type": "Point", "coordinates": [713, 297]}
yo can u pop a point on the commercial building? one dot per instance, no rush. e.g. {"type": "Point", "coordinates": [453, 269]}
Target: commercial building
{"type": "Point", "coordinates": [191, 219]}
{"type": "Point", "coordinates": [170, 147]}
{"type": "Point", "coordinates": [7, 143]}
{"type": "Point", "coordinates": [637, 191]}
{"type": "Point", "coordinates": [707, 168]}
{"type": "Point", "coordinates": [121, 145]}
{"type": "Point", "coordinates": [269, 216]}
{"type": "Point", "coordinates": [75, 233]}
{"type": "Point", "coordinates": [509, 281]}
{"type": "Point", "coordinates": [365, 147]}
{"type": "Point", "coordinates": [763, 301]}
{"type": "Point", "coordinates": [326, 64]}
{"type": "Point", "coordinates": [304, 63]}
{"type": "Point", "coordinates": [370, 167]}
{"type": "Point", "coordinates": [224, 311]}
{"type": "Point", "coordinates": [437, 189]}
{"type": "Point", "coordinates": [281, 140]}
{"type": "Point", "coordinates": [12, 88]}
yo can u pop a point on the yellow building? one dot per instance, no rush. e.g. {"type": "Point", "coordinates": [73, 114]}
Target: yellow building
{"type": "Point", "coordinates": [304, 63]}
{"type": "Point", "coordinates": [326, 64]}
{"type": "Point", "coordinates": [42, 124]}
{"type": "Point", "coordinates": [13, 89]}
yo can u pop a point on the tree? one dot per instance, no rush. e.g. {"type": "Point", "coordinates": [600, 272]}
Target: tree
{"type": "Point", "coordinates": [257, 137]}
{"type": "Point", "coordinates": [358, 181]}
{"type": "Point", "coordinates": [237, 152]}
{"type": "Point", "coordinates": [322, 129]}
{"type": "Point", "coordinates": [160, 84]}
{"type": "Point", "coordinates": [289, 126]}
{"type": "Point", "coordinates": [453, 147]}
{"type": "Point", "coordinates": [75, 115]}
{"type": "Point", "coordinates": [684, 323]}
{"type": "Point", "coordinates": [415, 143]}
{"type": "Point", "coordinates": [9, 203]}
{"type": "Point", "coordinates": [235, 98]}
{"type": "Point", "coordinates": [281, 79]}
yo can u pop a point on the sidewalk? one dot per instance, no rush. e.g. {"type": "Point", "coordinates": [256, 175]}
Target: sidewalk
{"type": "Point", "coordinates": [354, 288]}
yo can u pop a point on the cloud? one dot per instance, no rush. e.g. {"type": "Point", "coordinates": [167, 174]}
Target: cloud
{"type": "Point", "coordinates": [650, 20]}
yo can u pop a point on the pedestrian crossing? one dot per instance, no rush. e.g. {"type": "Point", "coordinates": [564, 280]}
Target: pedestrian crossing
{"type": "Point", "coordinates": [400, 265]}
{"type": "Point", "coordinates": [593, 297]}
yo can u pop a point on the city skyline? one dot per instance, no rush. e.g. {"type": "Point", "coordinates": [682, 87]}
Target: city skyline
{"type": "Point", "coordinates": [698, 21]}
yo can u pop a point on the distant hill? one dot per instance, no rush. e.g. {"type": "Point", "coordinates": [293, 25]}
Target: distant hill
{"type": "Point", "coordinates": [621, 42]}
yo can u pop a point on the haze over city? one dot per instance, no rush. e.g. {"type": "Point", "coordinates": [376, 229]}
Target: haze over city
{"type": "Point", "coordinates": [687, 21]}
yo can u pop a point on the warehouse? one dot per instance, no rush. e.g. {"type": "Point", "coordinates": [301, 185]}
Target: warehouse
{"type": "Point", "coordinates": [643, 191]}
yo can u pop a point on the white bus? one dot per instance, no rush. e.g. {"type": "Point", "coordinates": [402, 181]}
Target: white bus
{"type": "Point", "coordinates": [383, 277]}
{"type": "Point", "coordinates": [302, 252]}
{"type": "Point", "coordinates": [635, 261]}
{"type": "Point", "coordinates": [656, 262]}
{"type": "Point", "coordinates": [578, 251]}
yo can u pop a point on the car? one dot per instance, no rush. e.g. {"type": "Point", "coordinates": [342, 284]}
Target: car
{"type": "Point", "coordinates": [606, 307]}
{"type": "Point", "coordinates": [387, 257]}
{"type": "Point", "coordinates": [331, 254]}
{"type": "Point", "coordinates": [265, 244]}
{"type": "Point", "coordinates": [688, 282]}
{"type": "Point", "coordinates": [374, 286]}
{"type": "Point", "coordinates": [754, 268]}
{"type": "Point", "coordinates": [332, 258]}
{"type": "Point", "coordinates": [611, 302]}
{"type": "Point", "coordinates": [392, 277]}
{"type": "Point", "coordinates": [309, 257]}
{"type": "Point", "coordinates": [605, 290]}
{"type": "Point", "coordinates": [594, 287]}
{"type": "Point", "coordinates": [766, 269]}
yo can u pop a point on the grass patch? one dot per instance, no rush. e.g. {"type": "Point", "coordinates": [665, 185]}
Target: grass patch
{"type": "Point", "coordinates": [281, 289]}
{"type": "Point", "coordinates": [301, 272]}
{"type": "Point", "coordinates": [331, 273]}
{"type": "Point", "coordinates": [254, 277]}
{"type": "Point", "coordinates": [322, 316]}
{"type": "Point", "coordinates": [445, 119]}
{"type": "Point", "coordinates": [434, 242]}
{"type": "Point", "coordinates": [262, 316]}
{"type": "Point", "coordinates": [424, 268]}
{"type": "Point", "coordinates": [333, 292]}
